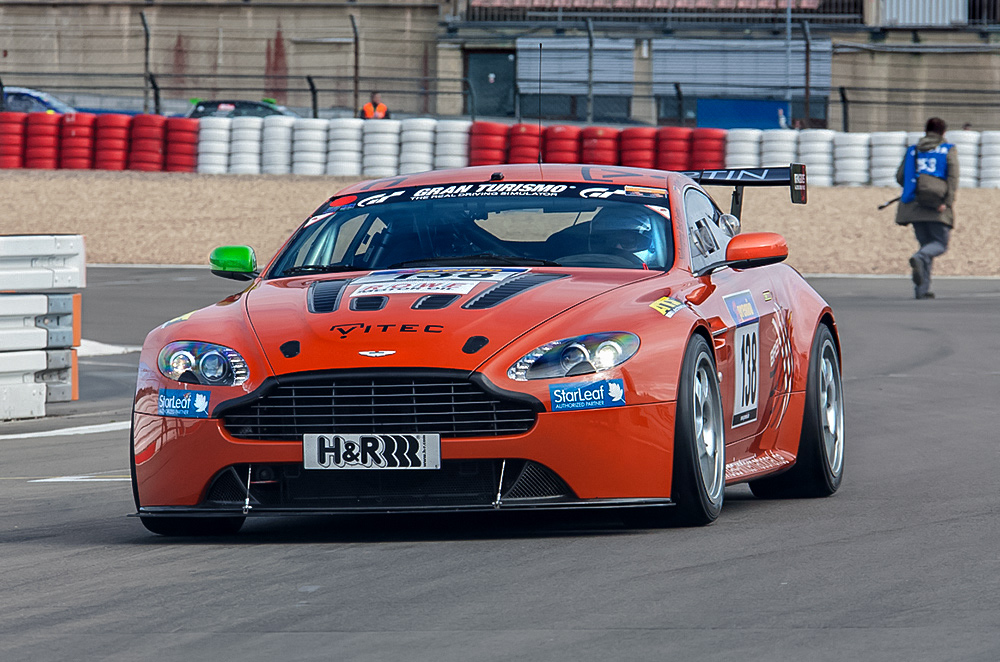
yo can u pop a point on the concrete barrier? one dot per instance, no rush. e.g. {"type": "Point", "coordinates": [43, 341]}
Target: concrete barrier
{"type": "Point", "coordinates": [39, 331]}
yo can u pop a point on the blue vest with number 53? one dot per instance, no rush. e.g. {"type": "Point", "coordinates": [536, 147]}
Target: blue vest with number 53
{"type": "Point", "coordinates": [934, 163]}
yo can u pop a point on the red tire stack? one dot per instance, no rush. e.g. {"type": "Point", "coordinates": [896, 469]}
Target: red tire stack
{"type": "Point", "coordinates": [182, 145]}
{"type": "Point", "coordinates": [41, 144]}
{"type": "Point", "coordinates": [488, 143]}
{"type": "Point", "coordinates": [525, 143]}
{"type": "Point", "coordinates": [12, 126]}
{"type": "Point", "coordinates": [638, 147]}
{"type": "Point", "coordinates": [76, 141]}
{"type": "Point", "coordinates": [673, 148]}
{"type": "Point", "coordinates": [599, 145]}
{"type": "Point", "coordinates": [562, 144]}
{"type": "Point", "coordinates": [148, 137]}
{"type": "Point", "coordinates": [111, 141]}
{"type": "Point", "coordinates": [708, 149]}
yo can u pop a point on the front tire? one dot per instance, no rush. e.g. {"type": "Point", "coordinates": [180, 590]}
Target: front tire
{"type": "Point", "coordinates": [819, 467]}
{"type": "Point", "coordinates": [699, 471]}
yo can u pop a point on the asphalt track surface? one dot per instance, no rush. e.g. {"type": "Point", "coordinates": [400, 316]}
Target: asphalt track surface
{"type": "Point", "coordinates": [901, 564]}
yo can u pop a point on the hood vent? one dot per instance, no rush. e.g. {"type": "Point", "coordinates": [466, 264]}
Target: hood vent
{"type": "Point", "coordinates": [324, 296]}
{"type": "Point", "coordinates": [368, 304]}
{"type": "Point", "coordinates": [435, 301]}
{"type": "Point", "coordinates": [510, 288]}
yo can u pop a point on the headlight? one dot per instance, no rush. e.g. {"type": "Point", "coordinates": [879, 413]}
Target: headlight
{"type": "Point", "coordinates": [582, 355]}
{"type": "Point", "coordinates": [203, 363]}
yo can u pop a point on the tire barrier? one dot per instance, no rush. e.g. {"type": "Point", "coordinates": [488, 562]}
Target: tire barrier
{"type": "Point", "coordinates": [111, 137]}
{"type": "Point", "coordinates": [351, 147]}
{"type": "Point", "coordinates": [12, 129]}
{"type": "Point", "coordinates": [637, 147]}
{"type": "Point", "coordinates": [488, 143]}
{"type": "Point", "coordinates": [673, 148]}
{"type": "Point", "coordinates": [380, 143]}
{"type": "Point", "coordinates": [708, 149]}
{"type": "Point", "coordinates": [181, 145]}
{"type": "Point", "coordinates": [599, 145]}
{"type": "Point", "coordinates": [276, 145]}
{"type": "Point", "coordinates": [76, 141]}
{"type": "Point", "coordinates": [561, 144]}
{"type": "Point", "coordinates": [245, 136]}
{"type": "Point", "coordinates": [41, 141]}
{"type": "Point", "coordinates": [525, 143]}
{"type": "Point", "coordinates": [345, 147]}
{"type": "Point", "coordinates": [147, 135]}
{"type": "Point", "coordinates": [39, 332]}
{"type": "Point", "coordinates": [451, 144]}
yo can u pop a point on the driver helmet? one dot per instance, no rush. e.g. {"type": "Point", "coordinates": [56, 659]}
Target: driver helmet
{"type": "Point", "coordinates": [623, 228]}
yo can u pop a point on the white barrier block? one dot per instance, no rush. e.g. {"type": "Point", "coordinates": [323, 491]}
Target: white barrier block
{"type": "Point", "coordinates": [20, 367]}
{"type": "Point", "coordinates": [42, 262]}
{"type": "Point", "coordinates": [22, 401]}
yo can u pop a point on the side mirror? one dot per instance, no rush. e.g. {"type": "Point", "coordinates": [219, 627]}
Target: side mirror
{"type": "Point", "coordinates": [234, 262]}
{"type": "Point", "coordinates": [755, 249]}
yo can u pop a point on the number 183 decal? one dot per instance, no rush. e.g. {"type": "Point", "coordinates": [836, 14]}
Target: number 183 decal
{"type": "Point", "coordinates": [747, 345]}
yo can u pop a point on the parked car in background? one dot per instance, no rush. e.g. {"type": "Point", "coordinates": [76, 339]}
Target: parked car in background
{"type": "Point", "coordinates": [27, 100]}
{"type": "Point", "coordinates": [237, 108]}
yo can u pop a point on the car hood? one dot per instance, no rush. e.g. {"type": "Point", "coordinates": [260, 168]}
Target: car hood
{"type": "Point", "coordinates": [441, 318]}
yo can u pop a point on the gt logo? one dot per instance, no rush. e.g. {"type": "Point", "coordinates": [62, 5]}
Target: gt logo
{"type": "Point", "coordinates": [379, 199]}
{"type": "Point", "coordinates": [600, 192]}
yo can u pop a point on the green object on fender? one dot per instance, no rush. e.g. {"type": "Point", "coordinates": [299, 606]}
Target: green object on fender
{"type": "Point", "coordinates": [237, 262]}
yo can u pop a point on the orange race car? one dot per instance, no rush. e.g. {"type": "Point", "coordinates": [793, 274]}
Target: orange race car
{"type": "Point", "coordinates": [510, 337]}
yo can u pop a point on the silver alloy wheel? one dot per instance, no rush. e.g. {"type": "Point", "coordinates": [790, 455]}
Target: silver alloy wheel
{"type": "Point", "coordinates": [708, 433]}
{"type": "Point", "coordinates": [831, 408]}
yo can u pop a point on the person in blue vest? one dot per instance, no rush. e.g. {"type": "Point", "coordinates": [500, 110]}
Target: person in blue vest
{"type": "Point", "coordinates": [929, 207]}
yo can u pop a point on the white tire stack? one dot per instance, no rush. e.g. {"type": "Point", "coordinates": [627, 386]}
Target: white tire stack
{"type": "Point", "coordinates": [309, 146]}
{"type": "Point", "coordinates": [213, 145]}
{"type": "Point", "coordinates": [967, 144]}
{"type": "Point", "coordinates": [778, 148]}
{"type": "Point", "coordinates": [344, 147]}
{"type": "Point", "coordinates": [416, 145]}
{"type": "Point", "coordinates": [913, 137]}
{"type": "Point", "coordinates": [380, 139]}
{"type": "Point", "coordinates": [989, 159]}
{"type": "Point", "coordinates": [451, 144]}
{"type": "Point", "coordinates": [244, 145]}
{"type": "Point", "coordinates": [743, 148]}
{"type": "Point", "coordinates": [816, 153]}
{"type": "Point", "coordinates": [276, 145]}
{"type": "Point", "coordinates": [851, 159]}
{"type": "Point", "coordinates": [887, 151]}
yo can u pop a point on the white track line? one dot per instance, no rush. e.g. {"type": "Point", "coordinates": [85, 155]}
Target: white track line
{"type": "Point", "coordinates": [84, 429]}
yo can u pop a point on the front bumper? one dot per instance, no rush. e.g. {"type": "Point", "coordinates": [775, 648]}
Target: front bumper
{"type": "Point", "coordinates": [615, 457]}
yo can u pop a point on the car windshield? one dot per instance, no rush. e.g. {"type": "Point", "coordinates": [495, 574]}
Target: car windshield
{"type": "Point", "coordinates": [473, 224]}
{"type": "Point", "coordinates": [237, 109]}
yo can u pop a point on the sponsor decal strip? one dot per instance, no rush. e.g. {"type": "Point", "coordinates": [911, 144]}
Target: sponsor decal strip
{"type": "Point", "coordinates": [591, 395]}
{"type": "Point", "coordinates": [182, 404]}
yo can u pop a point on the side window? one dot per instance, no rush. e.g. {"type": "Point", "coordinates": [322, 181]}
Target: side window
{"type": "Point", "coordinates": [22, 103]}
{"type": "Point", "coordinates": [706, 237]}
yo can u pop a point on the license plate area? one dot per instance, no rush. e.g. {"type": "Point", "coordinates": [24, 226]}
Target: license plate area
{"type": "Point", "coordinates": [371, 451]}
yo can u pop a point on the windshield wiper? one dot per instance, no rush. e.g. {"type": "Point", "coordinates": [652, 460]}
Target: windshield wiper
{"type": "Point", "coordinates": [321, 269]}
{"type": "Point", "coordinates": [478, 259]}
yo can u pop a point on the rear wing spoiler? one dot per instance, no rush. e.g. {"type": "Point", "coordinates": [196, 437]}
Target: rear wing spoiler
{"type": "Point", "coordinates": [794, 177]}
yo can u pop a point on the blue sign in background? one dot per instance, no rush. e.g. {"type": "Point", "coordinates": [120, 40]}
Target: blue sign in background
{"type": "Point", "coordinates": [592, 395]}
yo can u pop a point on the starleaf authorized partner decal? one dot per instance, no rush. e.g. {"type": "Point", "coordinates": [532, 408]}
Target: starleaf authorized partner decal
{"type": "Point", "coordinates": [593, 395]}
{"type": "Point", "coordinates": [747, 343]}
{"type": "Point", "coordinates": [182, 404]}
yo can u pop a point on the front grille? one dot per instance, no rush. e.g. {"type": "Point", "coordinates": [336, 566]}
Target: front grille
{"type": "Point", "coordinates": [456, 483]}
{"type": "Point", "coordinates": [377, 404]}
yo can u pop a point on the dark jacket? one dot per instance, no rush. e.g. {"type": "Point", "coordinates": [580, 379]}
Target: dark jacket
{"type": "Point", "coordinates": [911, 212]}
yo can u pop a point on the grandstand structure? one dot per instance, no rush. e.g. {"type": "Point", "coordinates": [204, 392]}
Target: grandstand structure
{"type": "Point", "coordinates": [845, 64]}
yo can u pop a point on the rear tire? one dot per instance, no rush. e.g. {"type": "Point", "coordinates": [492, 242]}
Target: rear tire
{"type": "Point", "coordinates": [819, 467]}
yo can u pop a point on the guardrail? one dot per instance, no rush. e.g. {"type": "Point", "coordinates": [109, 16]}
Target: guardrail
{"type": "Point", "coordinates": [39, 331]}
